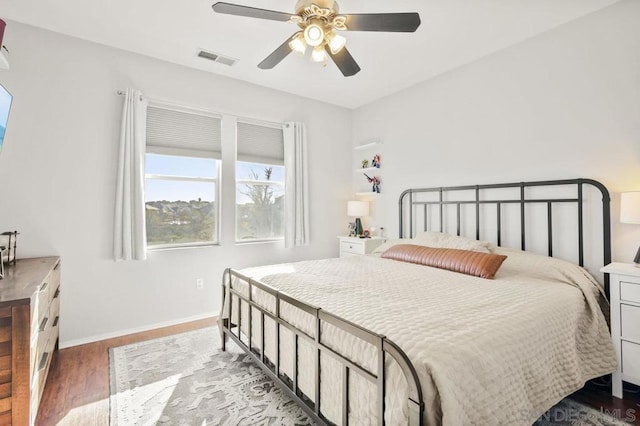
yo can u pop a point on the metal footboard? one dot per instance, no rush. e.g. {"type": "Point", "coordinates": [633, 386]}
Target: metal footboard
{"type": "Point", "coordinates": [272, 367]}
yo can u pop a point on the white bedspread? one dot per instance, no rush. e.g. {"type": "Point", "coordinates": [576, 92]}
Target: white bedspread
{"type": "Point", "coordinates": [497, 352]}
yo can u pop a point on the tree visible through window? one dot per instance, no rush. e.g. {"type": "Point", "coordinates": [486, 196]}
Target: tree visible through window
{"type": "Point", "coordinates": [259, 182]}
{"type": "Point", "coordinates": [259, 201]}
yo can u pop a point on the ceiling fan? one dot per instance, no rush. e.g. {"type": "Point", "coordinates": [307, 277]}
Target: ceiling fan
{"type": "Point", "coordinates": [318, 21]}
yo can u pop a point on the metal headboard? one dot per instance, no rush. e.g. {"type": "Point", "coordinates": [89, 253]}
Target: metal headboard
{"type": "Point", "coordinates": [409, 197]}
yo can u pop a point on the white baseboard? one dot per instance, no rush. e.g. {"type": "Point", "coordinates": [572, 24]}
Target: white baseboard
{"type": "Point", "coordinates": [120, 333]}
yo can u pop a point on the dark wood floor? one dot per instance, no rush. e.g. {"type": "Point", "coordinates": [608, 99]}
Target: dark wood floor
{"type": "Point", "coordinates": [77, 390]}
{"type": "Point", "coordinates": [597, 394]}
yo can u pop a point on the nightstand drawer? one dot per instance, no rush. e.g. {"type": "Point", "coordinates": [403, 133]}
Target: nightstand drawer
{"type": "Point", "coordinates": [630, 322]}
{"type": "Point", "coordinates": [630, 292]}
{"type": "Point", "coordinates": [631, 359]}
{"type": "Point", "coordinates": [625, 323]}
{"type": "Point", "coordinates": [354, 247]}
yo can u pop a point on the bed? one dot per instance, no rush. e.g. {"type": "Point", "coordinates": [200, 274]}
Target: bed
{"type": "Point", "coordinates": [369, 340]}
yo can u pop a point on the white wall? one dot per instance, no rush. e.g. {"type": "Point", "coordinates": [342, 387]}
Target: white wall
{"type": "Point", "coordinates": [57, 174]}
{"type": "Point", "coordinates": [564, 104]}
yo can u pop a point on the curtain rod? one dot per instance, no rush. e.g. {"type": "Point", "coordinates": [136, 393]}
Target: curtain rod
{"type": "Point", "coordinates": [275, 124]}
{"type": "Point", "coordinates": [122, 93]}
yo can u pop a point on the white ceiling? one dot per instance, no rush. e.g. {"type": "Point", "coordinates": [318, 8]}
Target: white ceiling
{"type": "Point", "coordinates": [453, 33]}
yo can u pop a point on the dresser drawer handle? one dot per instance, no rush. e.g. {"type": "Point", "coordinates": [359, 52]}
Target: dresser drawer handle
{"type": "Point", "coordinates": [43, 324]}
{"type": "Point", "coordinates": [55, 322]}
{"type": "Point", "coordinates": [55, 296]}
{"type": "Point", "coordinates": [350, 247]}
{"type": "Point", "coordinates": [44, 285]}
{"type": "Point", "coordinates": [43, 361]}
{"type": "Point", "coordinates": [57, 267]}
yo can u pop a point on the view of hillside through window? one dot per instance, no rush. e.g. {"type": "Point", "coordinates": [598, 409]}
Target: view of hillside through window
{"type": "Point", "coordinates": [181, 200]}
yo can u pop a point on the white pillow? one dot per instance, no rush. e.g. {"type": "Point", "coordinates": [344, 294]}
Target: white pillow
{"type": "Point", "coordinates": [547, 268]}
{"type": "Point", "coordinates": [390, 243]}
{"type": "Point", "coordinates": [439, 240]}
{"type": "Point", "coordinates": [442, 240]}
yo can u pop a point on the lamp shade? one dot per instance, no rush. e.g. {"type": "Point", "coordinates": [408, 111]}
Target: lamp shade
{"type": "Point", "coordinates": [357, 208]}
{"type": "Point", "coordinates": [630, 207]}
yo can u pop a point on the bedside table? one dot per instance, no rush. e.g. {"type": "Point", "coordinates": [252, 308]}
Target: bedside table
{"type": "Point", "coordinates": [354, 246]}
{"type": "Point", "coordinates": [625, 322]}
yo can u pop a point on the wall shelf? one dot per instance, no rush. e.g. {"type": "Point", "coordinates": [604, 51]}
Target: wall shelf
{"type": "Point", "coordinates": [372, 172]}
{"type": "Point", "coordinates": [369, 194]}
{"type": "Point", "coordinates": [368, 170]}
{"type": "Point", "coordinates": [369, 144]}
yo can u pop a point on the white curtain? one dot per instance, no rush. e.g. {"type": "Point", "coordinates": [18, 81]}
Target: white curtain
{"type": "Point", "coordinates": [129, 230]}
{"type": "Point", "coordinates": [296, 185]}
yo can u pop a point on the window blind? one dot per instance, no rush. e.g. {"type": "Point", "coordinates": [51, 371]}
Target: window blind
{"type": "Point", "coordinates": [186, 133]}
{"type": "Point", "coordinates": [260, 144]}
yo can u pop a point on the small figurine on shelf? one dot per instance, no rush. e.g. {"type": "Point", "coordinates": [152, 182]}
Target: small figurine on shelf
{"type": "Point", "coordinates": [365, 164]}
{"type": "Point", "coordinates": [376, 161]}
{"type": "Point", "coordinates": [376, 185]}
{"type": "Point", "coordinates": [375, 182]}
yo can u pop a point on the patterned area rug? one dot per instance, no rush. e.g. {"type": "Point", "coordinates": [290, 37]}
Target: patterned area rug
{"type": "Point", "coordinates": [185, 379]}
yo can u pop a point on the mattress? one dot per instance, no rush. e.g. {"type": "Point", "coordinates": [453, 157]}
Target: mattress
{"type": "Point", "coordinates": [499, 351]}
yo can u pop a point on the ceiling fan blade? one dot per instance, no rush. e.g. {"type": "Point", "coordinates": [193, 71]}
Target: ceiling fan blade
{"type": "Point", "coordinates": [276, 56]}
{"type": "Point", "coordinates": [345, 62]}
{"type": "Point", "coordinates": [388, 22]}
{"type": "Point", "coordinates": [251, 12]}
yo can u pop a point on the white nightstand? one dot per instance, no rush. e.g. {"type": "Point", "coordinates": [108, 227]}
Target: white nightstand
{"type": "Point", "coordinates": [353, 246]}
{"type": "Point", "coordinates": [625, 322]}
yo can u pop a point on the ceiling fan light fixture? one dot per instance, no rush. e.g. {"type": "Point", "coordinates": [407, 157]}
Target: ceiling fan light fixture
{"type": "Point", "coordinates": [314, 34]}
{"type": "Point", "coordinates": [318, 22]}
{"type": "Point", "coordinates": [335, 42]}
{"type": "Point", "coordinates": [298, 45]}
{"type": "Point", "coordinates": [319, 54]}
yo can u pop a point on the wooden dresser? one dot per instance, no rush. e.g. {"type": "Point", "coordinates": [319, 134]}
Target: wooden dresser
{"type": "Point", "coordinates": [29, 307]}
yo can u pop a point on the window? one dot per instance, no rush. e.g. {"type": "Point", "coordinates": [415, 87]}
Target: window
{"type": "Point", "coordinates": [181, 178]}
{"type": "Point", "coordinates": [259, 183]}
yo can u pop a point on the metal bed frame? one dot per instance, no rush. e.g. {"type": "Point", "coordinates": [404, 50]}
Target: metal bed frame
{"type": "Point", "coordinates": [383, 346]}
{"type": "Point", "coordinates": [408, 199]}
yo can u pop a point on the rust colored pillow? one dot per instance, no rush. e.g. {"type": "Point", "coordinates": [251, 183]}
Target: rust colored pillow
{"type": "Point", "coordinates": [478, 264]}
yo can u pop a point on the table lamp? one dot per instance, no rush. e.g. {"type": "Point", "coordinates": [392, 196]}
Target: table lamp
{"type": "Point", "coordinates": [358, 209]}
{"type": "Point", "coordinates": [630, 213]}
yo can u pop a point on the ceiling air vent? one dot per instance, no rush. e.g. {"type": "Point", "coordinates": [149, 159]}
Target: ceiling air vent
{"type": "Point", "coordinates": [216, 58]}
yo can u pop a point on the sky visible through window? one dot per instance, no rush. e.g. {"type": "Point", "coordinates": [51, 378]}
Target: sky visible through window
{"type": "Point", "coordinates": [158, 190]}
